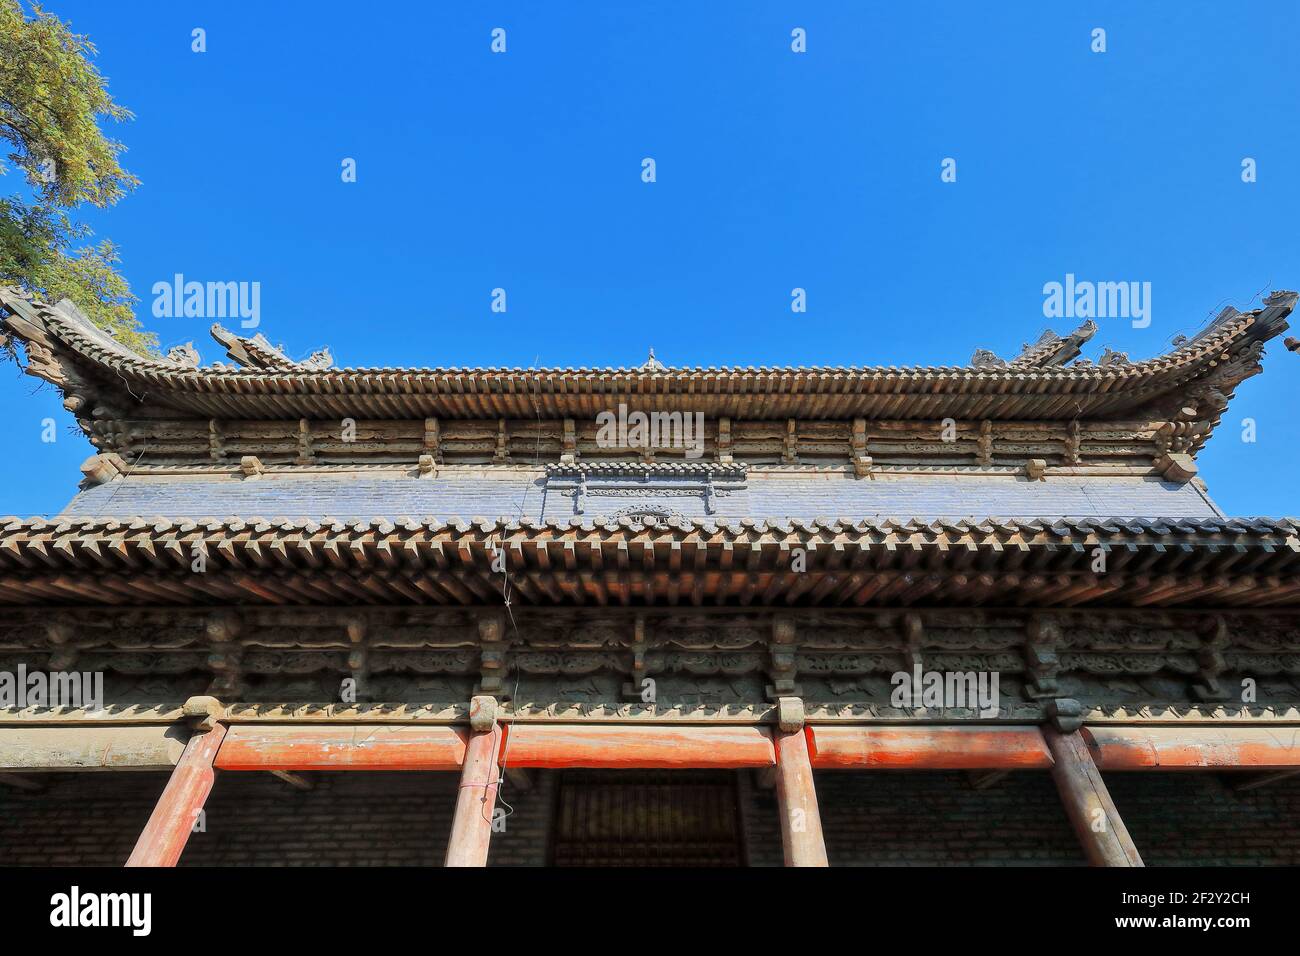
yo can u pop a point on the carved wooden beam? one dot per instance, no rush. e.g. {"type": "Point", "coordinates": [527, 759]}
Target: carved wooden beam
{"type": "Point", "coordinates": [1195, 748]}
{"type": "Point", "coordinates": [616, 746]}
{"type": "Point", "coordinates": [289, 747]}
{"type": "Point", "coordinates": [929, 748]}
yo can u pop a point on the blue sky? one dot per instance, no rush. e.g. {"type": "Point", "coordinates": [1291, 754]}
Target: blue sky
{"type": "Point", "coordinates": [775, 170]}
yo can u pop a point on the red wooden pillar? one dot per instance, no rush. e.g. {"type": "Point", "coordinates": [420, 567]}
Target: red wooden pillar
{"type": "Point", "coordinates": [796, 797]}
{"type": "Point", "coordinates": [476, 800]}
{"type": "Point", "coordinates": [169, 827]}
{"type": "Point", "coordinates": [1104, 837]}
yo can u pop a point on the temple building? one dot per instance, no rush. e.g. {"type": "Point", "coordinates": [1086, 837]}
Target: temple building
{"type": "Point", "coordinates": [985, 614]}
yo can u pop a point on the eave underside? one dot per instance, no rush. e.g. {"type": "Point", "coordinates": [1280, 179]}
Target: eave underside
{"type": "Point", "coordinates": [1168, 562]}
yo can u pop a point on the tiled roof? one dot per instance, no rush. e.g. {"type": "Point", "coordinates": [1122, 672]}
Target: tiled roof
{"type": "Point", "coordinates": [1150, 562]}
{"type": "Point", "coordinates": [66, 349]}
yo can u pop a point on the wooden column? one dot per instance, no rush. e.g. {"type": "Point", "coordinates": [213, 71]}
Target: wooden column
{"type": "Point", "coordinates": [796, 797]}
{"type": "Point", "coordinates": [1104, 837]}
{"type": "Point", "coordinates": [471, 827]}
{"type": "Point", "coordinates": [169, 827]}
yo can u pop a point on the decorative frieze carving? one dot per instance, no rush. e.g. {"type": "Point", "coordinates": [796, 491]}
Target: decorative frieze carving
{"type": "Point", "coordinates": [835, 660]}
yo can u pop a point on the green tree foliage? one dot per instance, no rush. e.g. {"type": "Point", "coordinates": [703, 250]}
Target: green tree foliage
{"type": "Point", "coordinates": [52, 100]}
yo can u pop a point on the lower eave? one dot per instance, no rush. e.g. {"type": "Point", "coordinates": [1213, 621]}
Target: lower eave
{"type": "Point", "coordinates": [993, 563]}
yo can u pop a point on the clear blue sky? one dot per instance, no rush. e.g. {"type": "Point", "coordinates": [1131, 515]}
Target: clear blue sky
{"type": "Point", "coordinates": [775, 170]}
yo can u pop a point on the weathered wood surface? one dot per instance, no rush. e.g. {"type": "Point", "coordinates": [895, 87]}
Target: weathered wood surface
{"type": "Point", "coordinates": [155, 747]}
{"type": "Point", "coordinates": [929, 748]}
{"type": "Point", "coordinates": [1194, 748]}
{"type": "Point", "coordinates": [802, 842]}
{"type": "Point", "coordinates": [1101, 831]}
{"type": "Point", "coordinates": [342, 747]}
{"type": "Point", "coordinates": [169, 827]}
{"type": "Point", "coordinates": [173, 442]}
{"type": "Point", "coordinates": [614, 747]}
{"type": "Point", "coordinates": [476, 799]}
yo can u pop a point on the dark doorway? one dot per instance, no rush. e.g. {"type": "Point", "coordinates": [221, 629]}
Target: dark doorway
{"type": "Point", "coordinates": [647, 818]}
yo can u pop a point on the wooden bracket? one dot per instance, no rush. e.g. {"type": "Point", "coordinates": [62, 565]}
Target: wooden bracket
{"type": "Point", "coordinates": [482, 713]}
{"type": "Point", "coordinates": [790, 714]}
{"type": "Point", "coordinates": [858, 449]}
{"type": "Point", "coordinates": [632, 689]}
{"type": "Point", "coordinates": [1065, 713]}
{"type": "Point", "coordinates": [226, 657]}
{"type": "Point", "coordinates": [914, 636]}
{"type": "Point", "coordinates": [724, 441]}
{"type": "Point", "coordinates": [492, 653]}
{"type": "Point", "coordinates": [306, 452]}
{"type": "Point", "coordinates": [433, 438]}
{"type": "Point", "coordinates": [1214, 638]}
{"type": "Point", "coordinates": [1177, 467]}
{"type": "Point", "coordinates": [783, 653]}
{"type": "Point", "coordinates": [568, 441]}
{"type": "Point", "coordinates": [1041, 658]}
{"type": "Point", "coordinates": [103, 468]}
{"type": "Point", "coordinates": [984, 444]}
{"type": "Point", "coordinates": [203, 712]}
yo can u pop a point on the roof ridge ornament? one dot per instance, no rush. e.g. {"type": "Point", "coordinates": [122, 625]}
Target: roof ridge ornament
{"type": "Point", "coordinates": [652, 364]}
{"type": "Point", "coordinates": [186, 355]}
{"type": "Point", "coordinates": [257, 354]}
{"type": "Point", "coordinates": [1047, 351]}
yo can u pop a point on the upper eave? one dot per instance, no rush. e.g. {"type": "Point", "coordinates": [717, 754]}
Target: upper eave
{"type": "Point", "coordinates": [92, 369]}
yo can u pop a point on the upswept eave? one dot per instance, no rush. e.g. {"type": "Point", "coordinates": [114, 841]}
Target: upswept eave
{"type": "Point", "coordinates": [63, 347]}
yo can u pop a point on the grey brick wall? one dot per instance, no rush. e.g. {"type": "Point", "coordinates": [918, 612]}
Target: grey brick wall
{"type": "Point", "coordinates": [869, 819]}
{"type": "Point", "coordinates": [937, 818]}
{"type": "Point", "coordinates": [1195, 818]}
{"type": "Point", "coordinates": [362, 495]}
